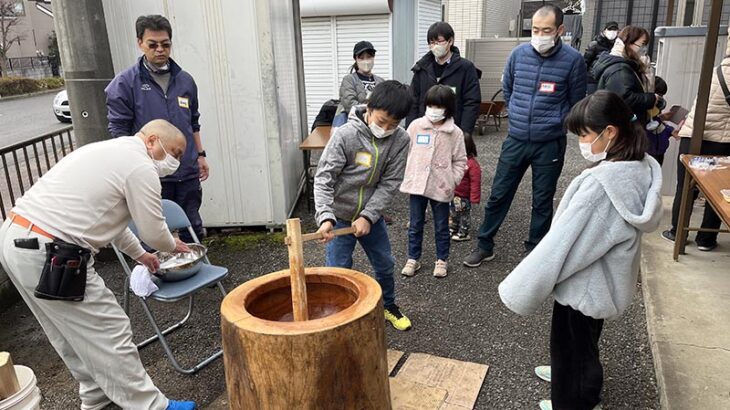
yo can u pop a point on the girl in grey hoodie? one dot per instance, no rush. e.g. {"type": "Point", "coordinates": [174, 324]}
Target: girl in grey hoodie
{"type": "Point", "coordinates": [589, 260]}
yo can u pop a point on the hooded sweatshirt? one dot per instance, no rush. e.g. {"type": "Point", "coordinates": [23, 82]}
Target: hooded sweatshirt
{"type": "Point", "coordinates": [358, 174]}
{"type": "Point", "coordinates": [589, 260]}
{"type": "Point", "coordinates": [624, 77]}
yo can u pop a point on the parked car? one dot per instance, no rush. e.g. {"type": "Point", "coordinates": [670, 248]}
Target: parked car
{"type": "Point", "coordinates": [61, 108]}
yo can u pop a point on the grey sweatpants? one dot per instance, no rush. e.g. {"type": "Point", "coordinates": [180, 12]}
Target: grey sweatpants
{"type": "Point", "coordinates": [93, 337]}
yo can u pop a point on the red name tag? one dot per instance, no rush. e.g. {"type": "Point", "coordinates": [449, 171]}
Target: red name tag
{"type": "Point", "coordinates": [546, 87]}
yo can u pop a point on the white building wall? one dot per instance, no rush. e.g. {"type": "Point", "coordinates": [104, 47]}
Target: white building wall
{"type": "Point", "coordinates": [497, 17]}
{"type": "Point", "coordinates": [466, 17]}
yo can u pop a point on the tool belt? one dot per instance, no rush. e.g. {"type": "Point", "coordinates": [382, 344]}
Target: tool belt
{"type": "Point", "coordinates": [64, 273]}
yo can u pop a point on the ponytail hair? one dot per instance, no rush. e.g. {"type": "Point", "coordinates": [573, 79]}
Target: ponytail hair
{"type": "Point", "coordinates": [601, 109]}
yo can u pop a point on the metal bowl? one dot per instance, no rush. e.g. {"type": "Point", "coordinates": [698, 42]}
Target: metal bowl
{"type": "Point", "coordinates": [179, 266]}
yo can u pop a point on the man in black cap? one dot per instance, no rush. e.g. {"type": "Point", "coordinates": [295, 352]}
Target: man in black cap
{"type": "Point", "coordinates": [601, 42]}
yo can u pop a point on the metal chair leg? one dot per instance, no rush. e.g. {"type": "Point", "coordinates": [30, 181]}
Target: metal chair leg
{"type": "Point", "coordinates": [171, 328]}
{"type": "Point", "coordinates": [125, 296]}
{"type": "Point", "coordinates": [168, 351]}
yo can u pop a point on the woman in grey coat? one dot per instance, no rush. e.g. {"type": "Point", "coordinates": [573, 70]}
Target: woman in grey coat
{"type": "Point", "coordinates": [359, 83]}
{"type": "Point", "coordinates": [589, 260]}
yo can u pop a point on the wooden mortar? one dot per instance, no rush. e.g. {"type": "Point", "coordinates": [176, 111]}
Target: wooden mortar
{"type": "Point", "coordinates": [335, 359]}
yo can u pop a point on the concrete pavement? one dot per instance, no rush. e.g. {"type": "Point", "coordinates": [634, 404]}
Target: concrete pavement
{"type": "Point", "coordinates": [687, 310]}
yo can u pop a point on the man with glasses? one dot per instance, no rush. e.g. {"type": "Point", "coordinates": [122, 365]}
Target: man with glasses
{"type": "Point", "coordinates": [443, 64]}
{"type": "Point", "coordinates": [542, 80]}
{"type": "Point", "coordinates": [157, 88]}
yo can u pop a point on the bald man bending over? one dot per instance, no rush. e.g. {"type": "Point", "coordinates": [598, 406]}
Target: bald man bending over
{"type": "Point", "coordinates": [47, 245]}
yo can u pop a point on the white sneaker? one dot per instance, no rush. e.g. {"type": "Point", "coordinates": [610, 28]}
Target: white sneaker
{"type": "Point", "coordinates": [440, 270]}
{"type": "Point", "coordinates": [412, 266]}
{"type": "Point", "coordinates": [548, 405]}
{"type": "Point", "coordinates": [544, 372]}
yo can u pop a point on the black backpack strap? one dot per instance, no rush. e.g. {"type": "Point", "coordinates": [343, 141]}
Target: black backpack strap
{"type": "Point", "coordinates": [723, 84]}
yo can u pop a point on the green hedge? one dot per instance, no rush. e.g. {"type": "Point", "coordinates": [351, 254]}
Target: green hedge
{"type": "Point", "coordinates": [51, 83]}
{"type": "Point", "coordinates": [20, 85]}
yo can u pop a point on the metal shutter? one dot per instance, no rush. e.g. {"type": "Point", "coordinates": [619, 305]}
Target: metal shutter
{"type": "Point", "coordinates": [319, 64]}
{"type": "Point", "coordinates": [373, 28]}
{"type": "Point", "coordinates": [327, 44]}
{"type": "Point", "coordinates": [429, 12]}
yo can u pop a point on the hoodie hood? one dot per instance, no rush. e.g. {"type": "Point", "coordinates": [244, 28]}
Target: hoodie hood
{"type": "Point", "coordinates": [637, 200]}
{"type": "Point", "coordinates": [357, 118]}
{"type": "Point", "coordinates": [606, 61]}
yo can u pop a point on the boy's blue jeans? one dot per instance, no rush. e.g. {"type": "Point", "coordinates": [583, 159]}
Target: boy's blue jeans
{"type": "Point", "coordinates": [376, 245]}
{"type": "Point", "coordinates": [418, 205]}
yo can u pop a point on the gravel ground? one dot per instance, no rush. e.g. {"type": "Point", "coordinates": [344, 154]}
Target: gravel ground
{"type": "Point", "coordinates": [459, 317]}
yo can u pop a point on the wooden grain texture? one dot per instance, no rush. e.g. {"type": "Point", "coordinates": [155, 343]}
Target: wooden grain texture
{"type": "Point", "coordinates": [318, 235]}
{"type": "Point", "coordinates": [408, 395]}
{"type": "Point", "coordinates": [336, 362]}
{"type": "Point", "coordinates": [317, 140]}
{"type": "Point", "coordinates": [8, 379]}
{"type": "Point", "coordinates": [462, 380]}
{"type": "Point", "coordinates": [711, 183]}
{"type": "Point", "coordinates": [296, 266]}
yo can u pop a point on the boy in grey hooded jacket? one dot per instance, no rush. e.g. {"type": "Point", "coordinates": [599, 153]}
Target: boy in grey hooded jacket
{"type": "Point", "coordinates": [357, 176]}
{"type": "Point", "coordinates": [589, 260]}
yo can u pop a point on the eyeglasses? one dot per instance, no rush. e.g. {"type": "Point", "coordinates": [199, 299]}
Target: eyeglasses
{"type": "Point", "coordinates": [155, 45]}
{"type": "Point", "coordinates": [439, 42]}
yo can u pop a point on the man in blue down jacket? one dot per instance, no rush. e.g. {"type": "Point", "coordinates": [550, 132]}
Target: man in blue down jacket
{"type": "Point", "coordinates": [444, 65]}
{"type": "Point", "coordinates": [541, 82]}
{"type": "Point", "coordinates": [157, 88]}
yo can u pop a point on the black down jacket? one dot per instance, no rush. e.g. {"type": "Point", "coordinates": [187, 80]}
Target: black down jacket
{"type": "Point", "coordinates": [622, 76]}
{"type": "Point", "coordinates": [461, 75]}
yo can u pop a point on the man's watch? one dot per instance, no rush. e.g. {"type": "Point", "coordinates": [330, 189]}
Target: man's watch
{"type": "Point", "coordinates": [202, 154]}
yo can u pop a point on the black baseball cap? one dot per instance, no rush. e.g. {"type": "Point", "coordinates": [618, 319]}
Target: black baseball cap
{"type": "Point", "coordinates": [361, 47]}
{"type": "Point", "coordinates": [611, 25]}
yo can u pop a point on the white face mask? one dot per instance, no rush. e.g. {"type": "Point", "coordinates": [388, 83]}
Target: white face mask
{"type": "Point", "coordinates": [611, 34]}
{"type": "Point", "coordinates": [435, 114]}
{"type": "Point", "coordinates": [585, 150]}
{"type": "Point", "coordinates": [166, 166]}
{"type": "Point", "coordinates": [542, 44]}
{"type": "Point", "coordinates": [366, 66]}
{"type": "Point", "coordinates": [439, 50]}
{"type": "Point", "coordinates": [379, 132]}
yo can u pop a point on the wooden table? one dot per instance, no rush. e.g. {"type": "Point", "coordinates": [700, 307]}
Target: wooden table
{"type": "Point", "coordinates": [317, 140]}
{"type": "Point", "coordinates": [710, 183]}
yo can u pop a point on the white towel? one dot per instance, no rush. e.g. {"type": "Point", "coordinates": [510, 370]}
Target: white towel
{"type": "Point", "coordinates": [141, 282]}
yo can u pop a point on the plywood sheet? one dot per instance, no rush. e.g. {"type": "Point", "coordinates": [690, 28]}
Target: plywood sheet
{"type": "Point", "coordinates": [462, 380]}
{"type": "Point", "coordinates": [394, 357]}
{"type": "Point", "coordinates": [408, 395]}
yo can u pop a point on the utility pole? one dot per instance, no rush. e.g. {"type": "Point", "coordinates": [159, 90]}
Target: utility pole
{"type": "Point", "coordinates": [87, 64]}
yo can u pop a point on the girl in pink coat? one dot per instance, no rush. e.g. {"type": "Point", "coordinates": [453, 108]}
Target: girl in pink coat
{"type": "Point", "coordinates": [436, 164]}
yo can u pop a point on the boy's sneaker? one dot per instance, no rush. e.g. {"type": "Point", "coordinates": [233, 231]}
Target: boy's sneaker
{"type": "Point", "coordinates": [181, 405]}
{"type": "Point", "coordinates": [412, 266]}
{"type": "Point", "coordinates": [548, 405]}
{"type": "Point", "coordinates": [396, 318]}
{"type": "Point", "coordinates": [707, 247]}
{"type": "Point", "coordinates": [543, 372]}
{"type": "Point", "coordinates": [440, 270]}
{"type": "Point", "coordinates": [461, 237]}
{"type": "Point", "coordinates": [477, 256]}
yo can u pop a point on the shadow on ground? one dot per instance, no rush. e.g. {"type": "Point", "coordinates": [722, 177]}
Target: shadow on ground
{"type": "Point", "coordinates": [459, 317]}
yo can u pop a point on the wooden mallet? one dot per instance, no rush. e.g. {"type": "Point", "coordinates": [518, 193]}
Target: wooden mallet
{"type": "Point", "coordinates": [294, 241]}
